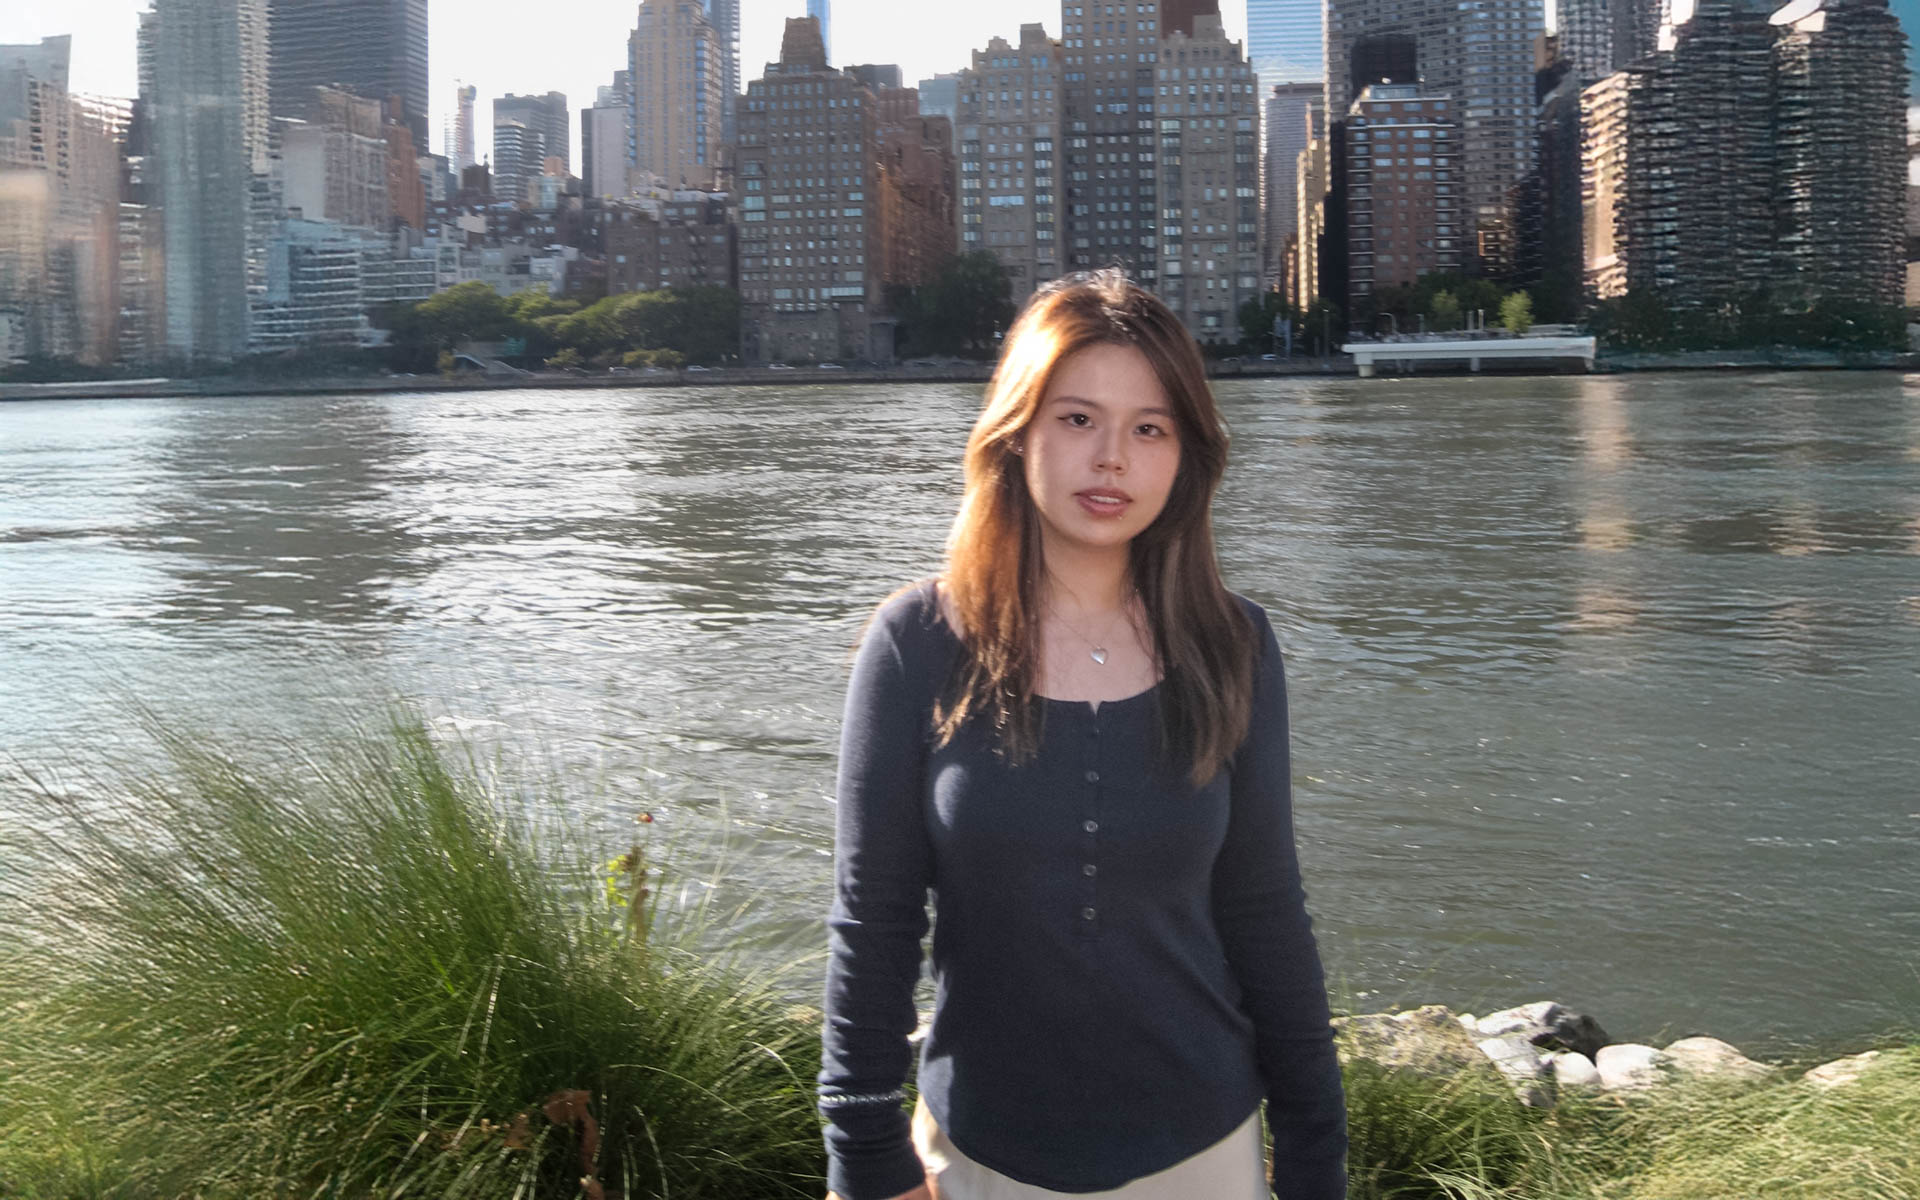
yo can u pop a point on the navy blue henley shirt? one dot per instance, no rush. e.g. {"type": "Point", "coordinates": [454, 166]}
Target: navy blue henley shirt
{"type": "Point", "coordinates": [1124, 965]}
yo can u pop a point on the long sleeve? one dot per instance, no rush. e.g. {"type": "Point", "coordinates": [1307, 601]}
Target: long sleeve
{"type": "Point", "coordinates": [1260, 911]}
{"type": "Point", "coordinates": [882, 870]}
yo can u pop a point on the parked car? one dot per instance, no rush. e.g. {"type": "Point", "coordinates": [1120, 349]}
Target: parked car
{"type": "Point", "coordinates": [696, 367]}
{"type": "Point", "coordinates": [831, 367]}
{"type": "Point", "coordinates": [779, 366]}
{"type": "Point", "coordinates": [619, 370]}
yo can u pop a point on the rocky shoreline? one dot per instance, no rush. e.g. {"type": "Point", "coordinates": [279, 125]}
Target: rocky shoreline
{"type": "Point", "coordinates": [1544, 1050]}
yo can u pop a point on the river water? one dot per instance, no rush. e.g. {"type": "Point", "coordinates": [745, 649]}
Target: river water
{"type": "Point", "coordinates": [1604, 689]}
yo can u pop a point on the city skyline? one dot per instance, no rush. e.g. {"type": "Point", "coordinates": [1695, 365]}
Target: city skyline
{"type": "Point", "coordinates": [465, 44]}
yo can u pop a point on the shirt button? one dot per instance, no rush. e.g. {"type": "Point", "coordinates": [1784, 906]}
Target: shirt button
{"type": "Point", "coordinates": [1093, 777]}
{"type": "Point", "coordinates": [1087, 914]}
{"type": "Point", "coordinates": [1088, 870]}
{"type": "Point", "coordinates": [1090, 826]}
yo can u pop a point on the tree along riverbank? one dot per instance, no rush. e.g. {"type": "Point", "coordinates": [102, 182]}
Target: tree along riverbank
{"type": "Point", "coordinates": [381, 967]}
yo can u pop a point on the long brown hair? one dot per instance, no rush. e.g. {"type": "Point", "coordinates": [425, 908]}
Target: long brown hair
{"type": "Point", "coordinates": [1202, 639]}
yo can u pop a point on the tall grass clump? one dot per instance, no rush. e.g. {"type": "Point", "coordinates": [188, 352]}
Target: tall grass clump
{"type": "Point", "coordinates": [1786, 1140]}
{"type": "Point", "coordinates": [1418, 1137]}
{"type": "Point", "coordinates": [367, 970]}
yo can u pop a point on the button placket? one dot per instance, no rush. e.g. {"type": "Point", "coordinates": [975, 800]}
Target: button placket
{"type": "Point", "coordinates": [1087, 919]}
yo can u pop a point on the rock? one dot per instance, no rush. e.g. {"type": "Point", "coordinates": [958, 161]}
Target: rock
{"type": "Point", "coordinates": [1516, 1059]}
{"type": "Point", "coordinates": [1549, 1026]}
{"type": "Point", "coordinates": [1525, 1019]}
{"type": "Point", "coordinates": [1699, 1056]}
{"type": "Point", "coordinates": [1628, 1066]}
{"type": "Point", "coordinates": [1841, 1071]}
{"type": "Point", "coordinates": [1572, 1070]}
{"type": "Point", "coordinates": [1428, 1040]}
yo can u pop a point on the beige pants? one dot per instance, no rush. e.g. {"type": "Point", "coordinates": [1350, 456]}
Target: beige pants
{"type": "Point", "coordinates": [1231, 1169]}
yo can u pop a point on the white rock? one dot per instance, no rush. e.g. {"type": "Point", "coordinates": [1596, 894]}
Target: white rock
{"type": "Point", "coordinates": [1711, 1056]}
{"type": "Point", "coordinates": [1514, 1055]}
{"type": "Point", "coordinates": [1521, 1064]}
{"type": "Point", "coordinates": [1527, 1017]}
{"type": "Point", "coordinates": [1841, 1071]}
{"type": "Point", "coordinates": [1571, 1070]}
{"type": "Point", "coordinates": [1628, 1066]}
{"type": "Point", "coordinates": [1428, 1040]}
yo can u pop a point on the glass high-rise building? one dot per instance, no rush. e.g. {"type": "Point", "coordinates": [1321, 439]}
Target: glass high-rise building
{"type": "Point", "coordinates": [674, 61]}
{"type": "Point", "coordinates": [460, 148]}
{"type": "Point", "coordinates": [819, 10]}
{"type": "Point", "coordinates": [209, 102]}
{"type": "Point", "coordinates": [551, 123]}
{"type": "Point", "coordinates": [1285, 42]}
{"type": "Point", "coordinates": [372, 48]}
{"type": "Point", "coordinates": [724, 15]}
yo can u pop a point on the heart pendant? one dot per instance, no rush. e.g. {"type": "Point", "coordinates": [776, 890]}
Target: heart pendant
{"type": "Point", "coordinates": [1100, 655]}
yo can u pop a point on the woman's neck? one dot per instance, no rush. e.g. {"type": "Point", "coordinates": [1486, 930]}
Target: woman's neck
{"type": "Point", "coordinates": [1086, 580]}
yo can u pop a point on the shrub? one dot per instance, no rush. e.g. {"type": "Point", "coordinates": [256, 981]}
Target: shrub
{"type": "Point", "coordinates": [362, 970]}
{"type": "Point", "coordinates": [1516, 312]}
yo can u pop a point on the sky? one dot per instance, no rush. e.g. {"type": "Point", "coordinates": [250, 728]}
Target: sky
{"type": "Point", "coordinates": [491, 43]}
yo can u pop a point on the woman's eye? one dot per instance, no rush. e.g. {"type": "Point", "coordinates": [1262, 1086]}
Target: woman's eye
{"type": "Point", "coordinates": [1152, 430]}
{"type": "Point", "coordinates": [1078, 419]}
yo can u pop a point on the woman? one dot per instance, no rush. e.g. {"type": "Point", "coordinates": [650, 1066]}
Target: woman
{"type": "Point", "coordinates": [1076, 737]}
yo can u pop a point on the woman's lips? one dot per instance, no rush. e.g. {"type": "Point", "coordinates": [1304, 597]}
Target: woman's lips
{"type": "Point", "coordinates": [1103, 502]}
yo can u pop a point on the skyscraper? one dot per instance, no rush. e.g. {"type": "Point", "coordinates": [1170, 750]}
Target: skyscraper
{"type": "Point", "coordinates": [1161, 159]}
{"type": "Point", "coordinates": [60, 181]}
{"type": "Point", "coordinates": [460, 143]}
{"type": "Point", "coordinates": [210, 124]}
{"type": "Point", "coordinates": [1285, 42]}
{"type": "Point", "coordinates": [1840, 185]}
{"type": "Point", "coordinates": [1286, 136]}
{"type": "Point", "coordinates": [46, 63]}
{"type": "Point", "coordinates": [517, 153]}
{"type": "Point", "coordinates": [819, 10]}
{"type": "Point", "coordinates": [372, 48]}
{"type": "Point", "coordinates": [940, 96]}
{"type": "Point", "coordinates": [809, 135]}
{"type": "Point", "coordinates": [1478, 53]}
{"type": "Point", "coordinates": [548, 119]}
{"type": "Point", "coordinates": [1752, 154]}
{"type": "Point", "coordinates": [674, 57]}
{"type": "Point", "coordinates": [1008, 115]}
{"type": "Point", "coordinates": [725, 15]}
{"type": "Point", "coordinates": [1108, 85]}
{"type": "Point", "coordinates": [1400, 223]}
{"type": "Point", "coordinates": [603, 149]}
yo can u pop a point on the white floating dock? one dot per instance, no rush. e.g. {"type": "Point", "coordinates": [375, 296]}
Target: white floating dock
{"type": "Point", "coordinates": [1416, 350]}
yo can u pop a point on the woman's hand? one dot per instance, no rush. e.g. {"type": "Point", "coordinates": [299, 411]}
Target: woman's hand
{"type": "Point", "coordinates": [923, 1192]}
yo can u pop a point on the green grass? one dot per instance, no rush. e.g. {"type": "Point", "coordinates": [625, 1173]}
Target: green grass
{"type": "Point", "coordinates": [375, 970]}
{"type": "Point", "coordinates": [1455, 1138]}
{"type": "Point", "coordinates": [366, 972]}
{"type": "Point", "coordinates": [1788, 1140]}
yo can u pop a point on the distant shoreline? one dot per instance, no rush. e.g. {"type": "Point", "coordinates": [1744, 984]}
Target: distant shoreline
{"type": "Point", "coordinates": [1339, 367]}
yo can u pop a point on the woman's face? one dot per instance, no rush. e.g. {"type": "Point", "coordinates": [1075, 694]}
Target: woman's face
{"type": "Point", "coordinates": [1102, 450]}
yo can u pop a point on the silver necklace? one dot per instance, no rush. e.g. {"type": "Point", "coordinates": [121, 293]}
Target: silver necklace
{"type": "Point", "coordinates": [1095, 651]}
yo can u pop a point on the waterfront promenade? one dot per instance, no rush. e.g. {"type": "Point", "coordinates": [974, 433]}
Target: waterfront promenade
{"type": "Point", "coordinates": [1339, 366]}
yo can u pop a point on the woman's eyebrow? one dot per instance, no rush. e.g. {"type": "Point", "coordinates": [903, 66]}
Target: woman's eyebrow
{"type": "Point", "coordinates": [1095, 404]}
